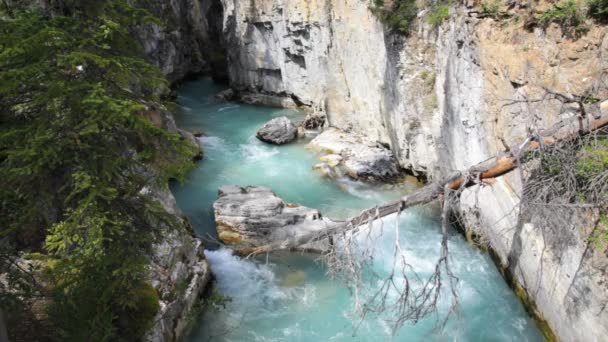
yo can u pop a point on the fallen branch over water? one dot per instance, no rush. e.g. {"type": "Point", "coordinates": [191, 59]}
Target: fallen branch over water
{"type": "Point", "coordinates": [497, 166]}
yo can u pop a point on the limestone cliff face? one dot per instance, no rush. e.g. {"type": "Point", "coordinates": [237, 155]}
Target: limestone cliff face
{"type": "Point", "coordinates": [180, 273]}
{"type": "Point", "coordinates": [187, 42]}
{"type": "Point", "coordinates": [443, 99]}
{"type": "Point", "coordinates": [316, 51]}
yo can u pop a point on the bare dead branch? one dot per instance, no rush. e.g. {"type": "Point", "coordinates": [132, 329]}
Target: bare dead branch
{"type": "Point", "coordinates": [500, 165]}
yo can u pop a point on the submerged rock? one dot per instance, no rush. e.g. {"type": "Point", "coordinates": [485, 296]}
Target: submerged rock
{"type": "Point", "coordinates": [354, 155]}
{"type": "Point", "coordinates": [293, 279]}
{"type": "Point", "coordinates": [226, 95]}
{"type": "Point", "coordinates": [255, 216]}
{"type": "Point", "coordinates": [267, 100]}
{"type": "Point", "coordinates": [324, 170]}
{"type": "Point", "coordinates": [278, 131]}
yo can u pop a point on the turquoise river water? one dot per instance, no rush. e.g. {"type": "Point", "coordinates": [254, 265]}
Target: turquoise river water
{"type": "Point", "coordinates": [289, 297]}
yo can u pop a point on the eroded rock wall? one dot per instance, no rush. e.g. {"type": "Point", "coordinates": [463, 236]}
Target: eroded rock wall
{"type": "Point", "coordinates": [179, 273]}
{"type": "Point", "coordinates": [188, 40]}
{"type": "Point", "coordinates": [316, 52]}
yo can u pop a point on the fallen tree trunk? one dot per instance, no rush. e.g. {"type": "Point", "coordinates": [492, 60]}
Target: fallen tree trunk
{"type": "Point", "coordinates": [494, 167]}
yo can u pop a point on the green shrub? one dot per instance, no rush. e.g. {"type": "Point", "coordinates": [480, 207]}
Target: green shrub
{"type": "Point", "coordinates": [591, 170]}
{"type": "Point", "coordinates": [598, 9]}
{"type": "Point", "coordinates": [599, 238]}
{"type": "Point", "coordinates": [438, 15]}
{"type": "Point", "coordinates": [74, 144]}
{"type": "Point", "coordinates": [490, 8]}
{"type": "Point", "coordinates": [399, 18]}
{"type": "Point", "coordinates": [592, 160]}
{"type": "Point", "coordinates": [567, 14]}
{"type": "Point", "coordinates": [216, 299]}
{"type": "Point", "coordinates": [141, 311]}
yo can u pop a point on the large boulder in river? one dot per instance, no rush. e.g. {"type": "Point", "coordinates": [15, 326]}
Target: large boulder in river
{"type": "Point", "coordinates": [278, 131]}
{"type": "Point", "coordinates": [354, 155]}
{"type": "Point", "coordinates": [255, 216]}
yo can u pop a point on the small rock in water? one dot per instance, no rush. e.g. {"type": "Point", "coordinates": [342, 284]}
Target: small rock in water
{"type": "Point", "coordinates": [278, 131]}
{"type": "Point", "coordinates": [293, 279]}
{"type": "Point", "coordinates": [324, 170]}
{"type": "Point", "coordinates": [255, 216]}
{"type": "Point", "coordinates": [355, 155]}
{"type": "Point", "coordinates": [226, 95]}
{"type": "Point", "coordinates": [301, 132]}
{"type": "Point", "coordinates": [268, 100]}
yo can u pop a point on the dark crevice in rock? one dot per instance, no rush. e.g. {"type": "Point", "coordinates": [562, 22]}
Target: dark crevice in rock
{"type": "Point", "coordinates": [218, 63]}
{"type": "Point", "coordinates": [297, 59]}
{"type": "Point", "coordinates": [263, 25]}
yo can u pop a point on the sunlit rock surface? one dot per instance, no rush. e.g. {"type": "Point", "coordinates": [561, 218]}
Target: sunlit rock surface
{"type": "Point", "coordinates": [255, 216]}
{"type": "Point", "coordinates": [278, 131]}
{"type": "Point", "coordinates": [354, 155]}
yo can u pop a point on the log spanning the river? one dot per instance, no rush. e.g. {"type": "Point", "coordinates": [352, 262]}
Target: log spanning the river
{"type": "Point", "coordinates": [494, 167]}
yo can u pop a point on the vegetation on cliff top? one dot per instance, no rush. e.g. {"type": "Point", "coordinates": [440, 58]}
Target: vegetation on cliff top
{"type": "Point", "coordinates": [399, 17]}
{"type": "Point", "coordinates": [76, 150]}
{"type": "Point", "coordinates": [571, 15]}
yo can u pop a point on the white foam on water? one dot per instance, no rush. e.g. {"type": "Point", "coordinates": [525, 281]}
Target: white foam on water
{"type": "Point", "coordinates": [186, 109]}
{"type": "Point", "coordinates": [257, 152]}
{"type": "Point", "coordinates": [213, 143]}
{"type": "Point", "coordinates": [228, 108]}
{"type": "Point", "coordinates": [214, 148]}
{"type": "Point", "coordinates": [247, 284]}
{"type": "Point", "coordinates": [358, 189]}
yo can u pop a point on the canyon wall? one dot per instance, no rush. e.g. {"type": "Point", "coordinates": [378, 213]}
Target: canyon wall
{"type": "Point", "coordinates": [180, 273]}
{"type": "Point", "coordinates": [444, 99]}
{"type": "Point", "coordinates": [187, 41]}
{"type": "Point", "coordinates": [185, 44]}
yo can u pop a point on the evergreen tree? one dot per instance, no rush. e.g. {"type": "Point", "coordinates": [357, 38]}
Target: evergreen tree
{"type": "Point", "coordinates": [76, 151]}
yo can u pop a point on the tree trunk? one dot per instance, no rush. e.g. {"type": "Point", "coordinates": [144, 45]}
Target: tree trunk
{"type": "Point", "coordinates": [494, 167]}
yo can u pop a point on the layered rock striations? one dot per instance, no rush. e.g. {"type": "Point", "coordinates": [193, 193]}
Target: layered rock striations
{"type": "Point", "coordinates": [179, 273]}
{"type": "Point", "coordinates": [354, 155]}
{"type": "Point", "coordinates": [255, 216]}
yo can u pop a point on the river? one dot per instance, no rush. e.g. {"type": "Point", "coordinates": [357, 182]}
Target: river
{"type": "Point", "coordinates": [288, 297]}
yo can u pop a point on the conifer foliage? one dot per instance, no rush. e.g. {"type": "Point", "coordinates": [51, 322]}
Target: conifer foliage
{"type": "Point", "coordinates": [75, 153]}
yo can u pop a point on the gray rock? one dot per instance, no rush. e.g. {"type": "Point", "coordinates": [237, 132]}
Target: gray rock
{"type": "Point", "coordinates": [180, 47]}
{"type": "Point", "coordinates": [269, 100]}
{"type": "Point", "coordinates": [176, 260]}
{"type": "Point", "coordinates": [226, 95]}
{"type": "Point", "coordinates": [255, 216]}
{"type": "Point", "coordinates": [354, 155]}
{"type": "Point", "coordinates": [324, 170]}
{"type": "Point", "coordinates": [278, 131]}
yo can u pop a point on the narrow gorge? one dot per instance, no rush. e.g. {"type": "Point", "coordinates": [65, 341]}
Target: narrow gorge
{"type": "Point", "coordinates": [386, 96]}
